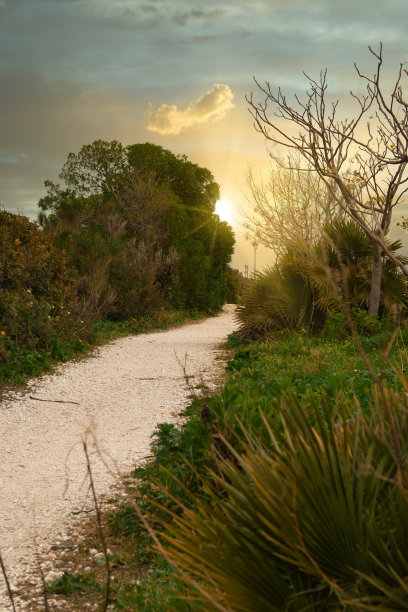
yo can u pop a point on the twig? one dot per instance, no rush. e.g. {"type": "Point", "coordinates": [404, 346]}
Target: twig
{"type": "Point", "coordinates": [9, 591]}
{"type": "Point", "coordinates": [44, 588]}
{"type": "Point", "coordinates": [186, 376]}
{"type": "Point", "coordinates": [39, 399]}
{"type": "Point", "coordinates": [100, 529]}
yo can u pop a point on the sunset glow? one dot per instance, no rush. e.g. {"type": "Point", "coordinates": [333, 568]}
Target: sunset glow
{"type": "Point", "coordinates": [225, 210]}
{"type": "Point", "coordinates": [175, 73]}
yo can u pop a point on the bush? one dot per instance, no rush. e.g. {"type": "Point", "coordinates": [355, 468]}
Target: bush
{"type": "Point", "coordinates": [306, 286]}
{"type": "Point", "coordinates": [316, 520]}
{"type": "Point", "coordinates": [37, 290]}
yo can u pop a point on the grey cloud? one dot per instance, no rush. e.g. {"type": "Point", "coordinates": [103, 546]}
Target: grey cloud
{"type": "Point", "coordinates": [199, 15]}
{"type": "Point", "coordinates": [212, 38]}
{"type": "Point", "coordinates": [149, 8]}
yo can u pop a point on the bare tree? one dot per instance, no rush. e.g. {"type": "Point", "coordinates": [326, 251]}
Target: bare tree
{"type": "Point", "coordinates": [362, 162]}
{"type": "Point", "coordinates": [291, 205]}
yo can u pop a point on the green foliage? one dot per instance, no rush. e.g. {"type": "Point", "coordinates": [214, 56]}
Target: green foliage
{"type": "Point", "coordinates": [235, 285]}
{"type": "Point", "coordinates": [159, 590]}
{"type": "Point", "coordinates": [137, 224]}
{"type": "Point", "coordinates": [313, 521]}
{"type": "Point", "coordinates": [279, 298]}
{"type": "Point", "coordinates": [195, 186]}
{"type": "Point", "coordinates": [69, 583]}
{"type": "Point", "coordinates": [308, 283]}
{"type": "Point", "coordinates": [167, 476]}
{"type": "Point", "coordinates": [364, 323]}
{"type": "Point", "coordinates": [312, 367]}
{"type": "Point", "coordinates": [37, 295]}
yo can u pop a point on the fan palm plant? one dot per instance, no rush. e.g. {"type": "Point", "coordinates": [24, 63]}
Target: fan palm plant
{"type": "Point", "coordinates": [316, 520]}
{"type": "Point", "coordinates": [308, 280]}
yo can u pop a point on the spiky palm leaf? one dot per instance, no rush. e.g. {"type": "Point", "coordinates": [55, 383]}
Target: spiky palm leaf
{"type": "Point", "coordinates": [309, 279]}
{"type": "Point", "coordinates": [317, 521]}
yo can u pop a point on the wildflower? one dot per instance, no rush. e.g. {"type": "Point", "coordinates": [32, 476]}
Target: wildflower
{"type": "Point", "coordinates": [79, 339]}
{"type": "Point", "coordinates": [374, 349]}
{"type": "Point", "coordinates": [3, 333]}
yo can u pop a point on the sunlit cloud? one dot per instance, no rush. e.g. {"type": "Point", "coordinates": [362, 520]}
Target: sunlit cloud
{"type": "Point", "coordinates": [168, 119]}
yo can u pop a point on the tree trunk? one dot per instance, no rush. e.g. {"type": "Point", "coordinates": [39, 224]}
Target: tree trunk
{"type": "Point", "coordinates": [375, 291]}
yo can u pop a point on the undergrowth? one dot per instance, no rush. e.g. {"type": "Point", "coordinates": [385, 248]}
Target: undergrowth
{"type": "Point", "coordinates": [326, 371]}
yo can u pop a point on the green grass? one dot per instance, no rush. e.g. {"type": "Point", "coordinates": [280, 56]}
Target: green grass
{"type": "Point", "coordinates": [311, 365]}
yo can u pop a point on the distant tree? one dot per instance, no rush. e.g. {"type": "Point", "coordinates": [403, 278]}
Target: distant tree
{"type": "Point", "coordinates": [290, 205]}
{"type": "Point", "coordinates": [235, 283]}
{"type": "Point", "coordinates": [364, 170]}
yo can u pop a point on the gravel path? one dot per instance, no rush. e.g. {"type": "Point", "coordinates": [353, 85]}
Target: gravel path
{"type": "Point", "coordinates": [120, 392]}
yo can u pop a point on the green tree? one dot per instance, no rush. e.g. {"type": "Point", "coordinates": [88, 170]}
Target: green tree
{"type": "Point", "coordinates": [195, 186]}
{"type": "Point", "coordinates": [140, 217]}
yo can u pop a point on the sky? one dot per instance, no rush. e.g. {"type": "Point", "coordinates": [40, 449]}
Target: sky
{"type": "Point", "coordinates": [174, 73]}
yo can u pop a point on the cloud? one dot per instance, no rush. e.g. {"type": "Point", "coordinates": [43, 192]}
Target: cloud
{"type": "Point", "coordinates": [200, 15]}
{"type": "Point", "coordinates": [168, 119]}
{"type": "Point", "coordinates": [2, 2]}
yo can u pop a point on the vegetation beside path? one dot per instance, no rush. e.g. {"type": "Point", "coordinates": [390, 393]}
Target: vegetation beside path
{"type": "Point", "coordinates": [297, 386]}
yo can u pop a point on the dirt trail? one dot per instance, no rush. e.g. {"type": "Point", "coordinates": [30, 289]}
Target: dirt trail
{"type": "Point", "coordinates": [117, 395]}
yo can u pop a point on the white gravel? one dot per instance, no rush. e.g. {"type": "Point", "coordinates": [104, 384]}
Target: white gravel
{"type": "Point", "coordinates": [122, 391]}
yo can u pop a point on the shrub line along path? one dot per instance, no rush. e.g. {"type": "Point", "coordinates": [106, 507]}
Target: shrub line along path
{"type": "Point", "coordinates": [114, 399]}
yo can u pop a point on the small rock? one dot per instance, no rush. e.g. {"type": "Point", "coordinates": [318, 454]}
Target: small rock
{"type": "Point", "coordinates": [53, 575]}
{"type": "Point", "coordinates": [93, 551]}
{"type": "Point", "coordinates": [87, 569]}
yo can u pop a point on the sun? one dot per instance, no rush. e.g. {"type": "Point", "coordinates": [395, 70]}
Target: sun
{"type": "Point", "coordinates": [225, 210]}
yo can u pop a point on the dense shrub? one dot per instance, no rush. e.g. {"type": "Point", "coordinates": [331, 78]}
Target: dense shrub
{"type": "Point", "coordinates": [37, 289]}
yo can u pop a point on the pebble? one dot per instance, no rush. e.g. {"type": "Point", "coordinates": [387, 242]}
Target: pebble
{"type": "Point", "coordinates": [53, 575]}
